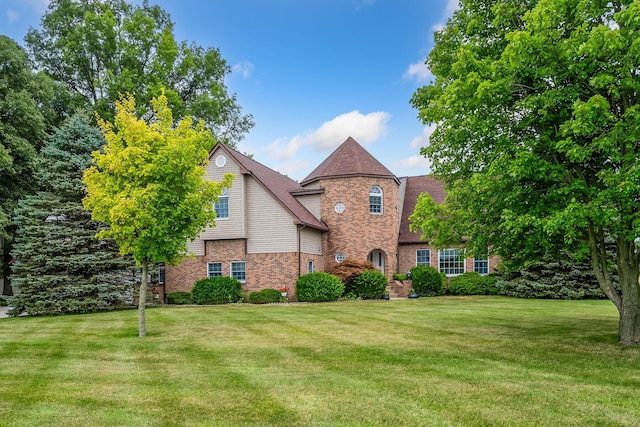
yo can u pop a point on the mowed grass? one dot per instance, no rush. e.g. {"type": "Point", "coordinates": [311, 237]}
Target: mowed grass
{"type": "Point", "coordinates": [431, 361]}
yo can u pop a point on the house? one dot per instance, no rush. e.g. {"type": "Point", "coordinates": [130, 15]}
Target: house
{"type": "Point", "coordinates": [270, 230]}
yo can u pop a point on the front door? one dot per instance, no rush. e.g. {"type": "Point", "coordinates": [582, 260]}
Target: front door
{"type": "Point", "coordinates": [377, 258]}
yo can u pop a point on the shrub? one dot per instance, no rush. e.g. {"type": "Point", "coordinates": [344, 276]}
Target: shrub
{"type": "Point", "coordinates": [472, 283]}
{"type": "Point", "coordinates": [371, 284]}
{"type": "Point", "coordinates": [264, 296]}
{"type": "Point", "coordinates": [178, 298]}
{"type": "Point", "coordinates": [217, 290]}
{"type": "Point", "coordinates": [400, 276]}
{"type": "Point", "coordinates": [348, 270]}
{"type": "Point", "coordinates": [554, 279]}
{"type": "Point", "coordinates": [319, 286]}
{"type": "Point", "coordinates": [427, 281]}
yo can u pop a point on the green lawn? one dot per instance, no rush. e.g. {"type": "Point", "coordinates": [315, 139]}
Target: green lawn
{"type": "Point", "coordinates": [431, 361]}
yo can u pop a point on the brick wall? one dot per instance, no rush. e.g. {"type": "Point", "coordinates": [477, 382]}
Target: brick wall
{"type": "Point", "coordinates": [356, 232]}
{"type": "Point", "coordinates": [266, 270]}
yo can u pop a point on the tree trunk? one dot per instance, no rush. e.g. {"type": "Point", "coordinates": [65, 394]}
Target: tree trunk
{"type": "Point", "coordinates": [142, 301]}
{"type": "Point", "coordinates": [629, 325]}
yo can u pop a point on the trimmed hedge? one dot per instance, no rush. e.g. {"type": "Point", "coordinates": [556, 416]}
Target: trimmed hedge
{"type": "Point", "coordinates": [371, 284]}
{"type": "Point", "coordinates": [400, 276]}
{"type": "Point", "coordinates": [472, 283]}
{"type": "Point", "coordinates": [427, 281]}
{"type": "Point", "coordinates": [178, 298]}
{"type": "Point", "coordinates": [217, 290]}
{"type": "Point", "coordinates": [265, 296]}
{"type": "Point", "coordinates": [319, 286]}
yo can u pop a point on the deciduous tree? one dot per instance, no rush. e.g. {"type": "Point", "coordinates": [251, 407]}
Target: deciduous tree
{"type": "Point", "coordinates": [102, 48]}
{"type": "Point", "coordinates": [538, 136]}
{"type": "Point", "coordinates": [148, 185]}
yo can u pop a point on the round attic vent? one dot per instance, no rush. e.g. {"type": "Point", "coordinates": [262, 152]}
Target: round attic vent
{"type": "Point", "coordinates": [339, 208]}
{"type": "Point", "coordinates": [221, 161]}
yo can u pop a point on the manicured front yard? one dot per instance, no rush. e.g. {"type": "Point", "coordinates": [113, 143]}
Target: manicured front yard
{"type": "Point", "coordinates": [437, 361]}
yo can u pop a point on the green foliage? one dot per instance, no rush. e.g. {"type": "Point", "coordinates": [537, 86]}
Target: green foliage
{"type": "Point", "coordinates": [371, 284]}
{"type": "Point", "coordinates": [400, 276]}
{"type": "Point", "coordinates": [178, 298]}
{"type": "Point", "coordinates": [427, 281]}
{"type": "Point", "coordinates": [148, 185]}
{"type": "Point", "coordinates": [25, 118]}
{"type": "Point", "coordinates": [319, 286]}
{"type": "Point", "coordinates": [3, 302]}
{"type": "Point", "coordinates": [472, 283]}
{"type": "Point", "coordinates": [265, 296]}
{"type": "Point", "coordinates": [102, 48]}
{"type": "Point", "coordinates": [60, 266]}
{"type": "Point", "coordinates": [217, 290]}
{"type": "Point", "coordinates": [555, 280]}
{"type": "Point", "coordinates": [348, 270]}
{"type": "Point", "coordinates": [536, 136]}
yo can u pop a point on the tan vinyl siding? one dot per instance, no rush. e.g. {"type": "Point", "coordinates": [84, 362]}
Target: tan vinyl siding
{"type": "Point", "coordinates": [195, 247]}
{"type": "Point", "coordinates": [310, 241]}
{"type": "Point", "coordinates": [312, 203]}
{"type": "Point", "coordinates": [234, 227]}
{"type": "Point", "coordinates": [313, 185]}
{"type": "Point", "coordinates": [270, 226]}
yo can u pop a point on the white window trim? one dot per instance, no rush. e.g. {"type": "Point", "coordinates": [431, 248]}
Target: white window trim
{"type": "Point", "coordinates": [423, 249]}
{"type": "Point", "coordinates": [381, 200]}
{"type": "Point", "coordinates": [464, 264]}
{"type": "Point", "coordinates": [224, 194]}
{"type": "Point", "coordinates": [483, 259]}
{"type": "Point", "coordinates": [311, 266]}
{"type": "Point", "coordinates": [245, 270]}
{"type": "Point", "coordinates": [214, 262]}
{"type": "Point", "coordinates": [340, 253]}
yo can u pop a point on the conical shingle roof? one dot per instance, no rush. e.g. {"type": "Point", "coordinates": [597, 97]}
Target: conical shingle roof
{"type": "Point", "coordinates": [349, 159]}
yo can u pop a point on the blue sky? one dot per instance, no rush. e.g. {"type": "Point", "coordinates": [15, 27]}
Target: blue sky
{"type": "Point", "coordinates": [311, 72]}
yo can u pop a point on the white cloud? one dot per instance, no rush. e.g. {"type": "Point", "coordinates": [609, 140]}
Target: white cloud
{"type": "Point", "coordinates": [40, 6]}
{"type": "Point", "coordinates": [12, 16]}
{"type": "Point", "coordinates": [364, 128]}
{"type": "Point", "coordinates": [293, 167]}
{"type": "Point", "coordinates": [418, 71]}
{"type": "Point", "coordinates": [452, 6]}
{"type": "Point", "coordinates": [422, 140]}
{"type": "Point", "coordinates": [245, 68]}
{"type": "Point", "coordinates": [417, 162]}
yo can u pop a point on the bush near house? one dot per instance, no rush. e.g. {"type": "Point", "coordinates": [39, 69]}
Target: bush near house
{"type": "Point", "coordinates": [348, 270]}
{"type": "Point", "coordinates": [371, 284]}
{"type": "Point", "coordinates": [318, 287]}
{"type": "Point", "coordinates": [264, 296]}
{"type": "Point", "coordinates": [217, 290]}
{"type": "Point", "coordinates": [400, 276]}
{"type": "Point", "coordinates": [472, 283]}
{"type": "Point", "coordinates": [178, 298]}
{"type": "Point", "coordinates": [427, 281]}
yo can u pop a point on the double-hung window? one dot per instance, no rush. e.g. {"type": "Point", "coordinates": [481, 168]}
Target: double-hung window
{"type": "Point", "coordinates": [375, 200]}
{"type": "Point", "coordinates": [481, 265]}
{"type": "Point", "coordinates": [214, 269]}
{"type": "Point", "coordinates": [423, 257]}
{"type": "Point", "coordinates": [451, 262]}
{"type": "Point", "coordinates": [222, 205]}
{"type": "Point", "coordinates": [238, 271]}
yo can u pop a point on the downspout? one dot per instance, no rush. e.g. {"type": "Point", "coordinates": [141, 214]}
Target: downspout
{"type": "Point", "coordinates": [300, 227]}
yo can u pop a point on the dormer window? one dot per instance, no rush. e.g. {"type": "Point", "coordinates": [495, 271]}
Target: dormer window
{"type": "Point", "coordinates": [375, 200]}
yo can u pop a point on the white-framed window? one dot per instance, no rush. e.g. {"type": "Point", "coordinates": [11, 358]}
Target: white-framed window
{"type": "Point", "coordinates": [423, 257]}
{"type": "Point", "coordinates": [339, 207]}
{"type": "Point", "coordinates": [481, 265]}
{"type": "Point", "coordinates": [238, 271]}
{"type": "Point", "coordinates": [161, 274]}
{"type": "Point", "coordinates": [222, 205]}
{"type": "Point", "coordinates": [451, 262]}
{"type": "Point", "coordinates": [214, 269]}
{"type": "Point", "coordinates": [311, 267]}
{"type": "Point", "coordinates": [375, 200]}
{"type": "Point", "coordinates": [340, 257]}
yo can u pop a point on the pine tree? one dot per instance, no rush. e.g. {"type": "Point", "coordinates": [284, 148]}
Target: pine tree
{"type": "Point", "coordinates": [61, 267]}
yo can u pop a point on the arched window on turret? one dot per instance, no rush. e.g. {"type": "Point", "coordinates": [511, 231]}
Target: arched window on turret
{"type": "Point", "coordinates": [375, 200]}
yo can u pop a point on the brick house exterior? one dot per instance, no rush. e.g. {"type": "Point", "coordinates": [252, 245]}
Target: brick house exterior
{"type": "Point", "coordinates": [271, 230]}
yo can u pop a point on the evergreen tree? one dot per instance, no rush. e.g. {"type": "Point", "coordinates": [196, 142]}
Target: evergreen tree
{"type": "Point", "coordinates": [60, 265]}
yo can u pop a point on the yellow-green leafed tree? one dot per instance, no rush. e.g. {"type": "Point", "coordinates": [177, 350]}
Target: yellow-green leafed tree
{"type": "Point", "coordinates": [148, 185]}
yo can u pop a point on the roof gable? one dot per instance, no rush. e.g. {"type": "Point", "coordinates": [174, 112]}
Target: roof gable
{"type": "Point", "coordinates": [277, 184]}
{"type": "Point", "coordinates": [349, 159]}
